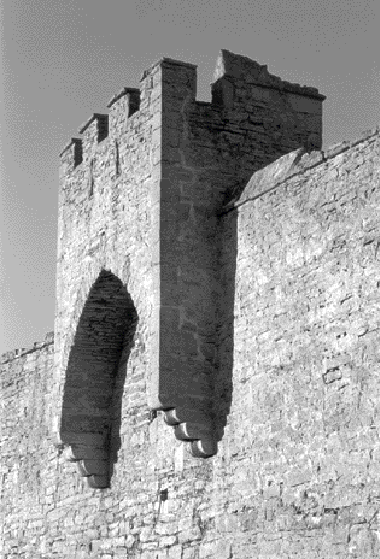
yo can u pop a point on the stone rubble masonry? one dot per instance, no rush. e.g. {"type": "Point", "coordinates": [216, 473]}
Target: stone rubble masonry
{"type": "Point", "coordinates": [218, 283]}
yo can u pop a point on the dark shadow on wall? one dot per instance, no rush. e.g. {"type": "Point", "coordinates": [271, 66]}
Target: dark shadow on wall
{"type": "Point", "coordinates": [223, 379]}
{"type": "Point", "coordinates": [228, 252]}
{"type": "Point", "coordinates": [95, 375]}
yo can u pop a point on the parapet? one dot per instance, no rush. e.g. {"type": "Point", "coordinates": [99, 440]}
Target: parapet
{"type": "Point", "coordinates": [235, 66]}
{"type": "Point", "coordinates": [239, 84]}
{"type": "Point", "coordinates": [124, 105]}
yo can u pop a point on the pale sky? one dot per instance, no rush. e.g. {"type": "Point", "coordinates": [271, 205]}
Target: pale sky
{"type": "Point", "coordinates": [63, 60]}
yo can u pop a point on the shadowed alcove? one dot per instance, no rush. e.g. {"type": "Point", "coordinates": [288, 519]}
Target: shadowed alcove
{"type": "Point", "coordinates": [92, 401]}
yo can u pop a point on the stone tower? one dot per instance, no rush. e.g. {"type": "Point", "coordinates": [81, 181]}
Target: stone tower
{"type": "Point", "coordinates": [139, 248]}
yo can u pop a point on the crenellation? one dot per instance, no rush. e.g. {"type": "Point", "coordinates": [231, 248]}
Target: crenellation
{"type": "Point", "coordinates": [93, 131]}
{"type": "Point", "coordinates": [98, 124]}
{"type": "Point", "coordinates": [133, 95]}
{"type": "Point", "coordinates": [71, 156]}
{"type": "Point", "coordinates": [210, 387]}
{"type": "Point", "coordinates": [122, 106]}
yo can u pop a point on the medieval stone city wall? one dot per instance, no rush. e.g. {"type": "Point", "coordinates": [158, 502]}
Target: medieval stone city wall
{"type": "Point", "coordinates": [169, 251]}
{"type": "Point", "coordinates": [302, 438]}
{"type": "Point", "coordinates": [28, 467]}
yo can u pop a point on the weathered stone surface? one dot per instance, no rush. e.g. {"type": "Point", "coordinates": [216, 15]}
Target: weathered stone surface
{"type": "Point", "coordinates": [218, 277]}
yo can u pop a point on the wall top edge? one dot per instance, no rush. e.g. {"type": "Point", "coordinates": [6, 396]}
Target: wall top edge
{"type": "Point", "coordinates": [344, 145]}
{"type": "Point", "coordinates": [237, 66]}
{"type": "Point", "coordinates": [290, 165]}
{"type": "Point", "coordinates": [20, 352]}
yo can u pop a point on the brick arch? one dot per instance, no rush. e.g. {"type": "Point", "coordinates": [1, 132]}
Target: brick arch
{"type": "Point", "coordinates": [103, 338]}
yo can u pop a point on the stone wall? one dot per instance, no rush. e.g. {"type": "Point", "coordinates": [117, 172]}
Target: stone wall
{"type": "Point", "coordinates": [288, 263]}
{"type": "Point", "coordinates": [302, 438]}
{"type": "Point", "coordinates": [210, 150]}
{"type": "Point", "coordinates": [296, 470]}
{"type": "Point", "coordinates": [28, 480]}
{"type": "Point", "coordinates": [138, 202]}
{"type": "Point", "coordinates": [105, 276]}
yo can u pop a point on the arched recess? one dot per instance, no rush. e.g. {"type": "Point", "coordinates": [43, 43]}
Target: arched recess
{"type": "Point", "coordinates": [94, 380]}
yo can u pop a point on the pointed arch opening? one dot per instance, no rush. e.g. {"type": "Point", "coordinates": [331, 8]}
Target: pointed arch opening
{"type": "Point", "coordinates": [91, 414]}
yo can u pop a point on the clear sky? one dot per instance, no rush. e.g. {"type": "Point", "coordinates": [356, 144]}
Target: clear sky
{"type": "Point", "coordinates": [63, 60]}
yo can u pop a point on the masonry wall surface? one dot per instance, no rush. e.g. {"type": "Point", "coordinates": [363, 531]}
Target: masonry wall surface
{"type": "Point", "coordinates": [28, 480]}
{"type": "Point", "coordinates": [209, 151]}
{"type": "Point", "coordinates": [105, 276]}
{"type": "Point", "coordinates": [292, 345]}
{"type": "Point", "coordinates": [296, 473]}
{"type": "Point", "coordinates": [302, 438]}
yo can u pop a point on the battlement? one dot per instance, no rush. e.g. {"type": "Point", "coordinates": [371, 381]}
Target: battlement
{"type": "Point", "coordinates": [239, 84]}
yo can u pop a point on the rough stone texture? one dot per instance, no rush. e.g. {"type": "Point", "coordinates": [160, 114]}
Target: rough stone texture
{"type": "Point", "coordinates": [302, 437]}
{"type": "Point", "coordinates": [199, 302]}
